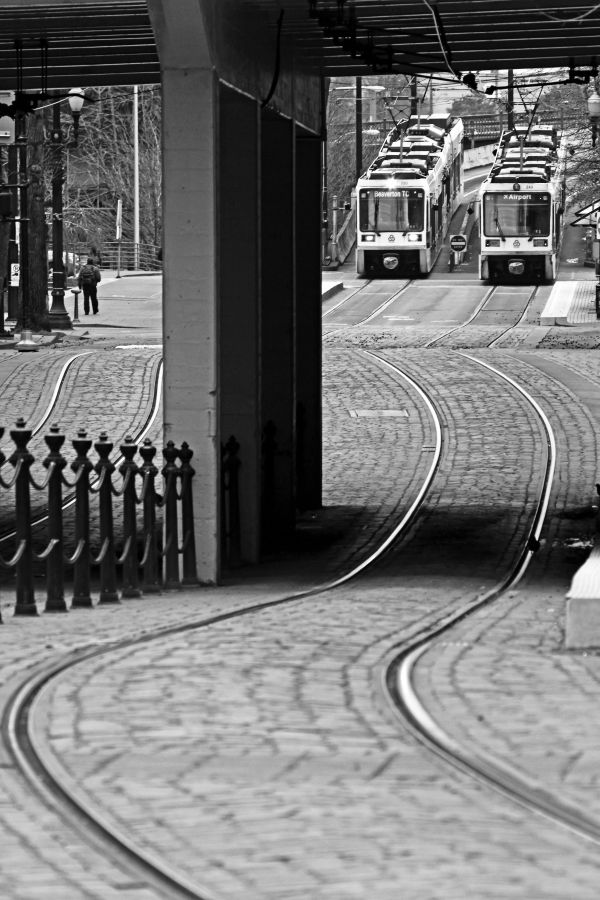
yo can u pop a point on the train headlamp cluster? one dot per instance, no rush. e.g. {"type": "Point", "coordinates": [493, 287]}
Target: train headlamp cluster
{"type": "Point", "coordinates": [412, 237]}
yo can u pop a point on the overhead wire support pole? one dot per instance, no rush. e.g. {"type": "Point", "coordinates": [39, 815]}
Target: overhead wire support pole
{"type": "Point", "coordinates": [26, 342]}
{"type": "Point", "coordinates": [136, 181]}
{"type": "Point", "coordinates": [358, 125]}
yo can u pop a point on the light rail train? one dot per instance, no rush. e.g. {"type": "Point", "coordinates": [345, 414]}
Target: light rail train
{"type": "Point", "coordinates": [522, 206]}
{"type": "Point", "coordinates": [406, 198]}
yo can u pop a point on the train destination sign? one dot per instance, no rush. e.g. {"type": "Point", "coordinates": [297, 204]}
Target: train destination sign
{"type": "Point", "coordinates": [458, 242]}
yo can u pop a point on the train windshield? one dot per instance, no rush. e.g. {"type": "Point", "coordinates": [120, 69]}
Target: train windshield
{"type": "Point", "coordinates": [391, 210]}
{"type": "Point", "coordinates": [516, 215]}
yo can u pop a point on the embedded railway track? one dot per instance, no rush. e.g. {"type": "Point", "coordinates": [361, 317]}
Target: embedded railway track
{"type": "Point", "coordinates": [483, 307]}
{"type": "Point", "coordinates": [141, 426]}
{"type": "Point", "coordinates": [69, 801]}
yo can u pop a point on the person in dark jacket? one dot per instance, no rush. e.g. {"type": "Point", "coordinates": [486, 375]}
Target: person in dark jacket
{"type": "Point", "coordinates": [89, 276]}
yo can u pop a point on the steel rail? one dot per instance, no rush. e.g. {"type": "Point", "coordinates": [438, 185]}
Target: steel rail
{"type": "Point", "coordinates": [372, 314]}
{"type": "Point", "coordinates": [518, 322]}
{"type": "Point", "coordinates": [399, 687]}
{"type": "Point", "coordinates": [67, 799]}
{"type": "Point", "coordinates": [343, 300]}
{"type": "Point", "coordinates": [116, 459]}
{"type": "Point", "coordinates": [479, 309]}
{"type": "Point", "coordinates": [60, 380]}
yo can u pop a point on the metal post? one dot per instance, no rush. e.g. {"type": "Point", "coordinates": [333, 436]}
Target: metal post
{"type": "Point", "coordinates": [55, 576]}
{"type": "Point", "coordinates": [82, 466]}
{"type": "Point", "coordinates": [25, 603]}
{"type": "Point", "coordinates": [129, 470]}
{"type": "Point", "coordinates": [150, 580]}
{"type": "Point", "coordinates": [358, 127]}
{"type": "Point", "coordinates": [510, 100]}
{"type": "Point", "coordinates": [13, 252]}
{"type": "Point", "coordinates": [334, 209]}
{"type": "Point", "coordinates": [108, 573]}
{"type": "Point", "coordinates": [58, 315]}
{"type": "Point", "coordinates": [26, 342]}
{"type": "Point", "coordinates": [170, 473]}
{"type": "Point", "coordinates": [76, 292]}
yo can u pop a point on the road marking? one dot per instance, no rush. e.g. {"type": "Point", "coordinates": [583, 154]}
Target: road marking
{"type": "Point", "coordinates": [376, 413]}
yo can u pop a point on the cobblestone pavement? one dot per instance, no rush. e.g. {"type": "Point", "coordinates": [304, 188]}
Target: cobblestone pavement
{"type": "Point", "coordinates": [260, 756]}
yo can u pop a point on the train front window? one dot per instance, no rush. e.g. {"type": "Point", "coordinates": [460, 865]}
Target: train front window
{"type": "Point", "coordinates": [391, 210]}
{"type": "Point", "coordinates": [516, 215]}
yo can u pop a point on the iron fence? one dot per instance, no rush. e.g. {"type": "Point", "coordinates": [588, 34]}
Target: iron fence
{"type": "Point", "coordinates": [150, 557]}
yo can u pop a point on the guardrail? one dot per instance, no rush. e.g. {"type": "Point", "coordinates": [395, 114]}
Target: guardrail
{"type": "Point", "coordinates": [143, 553]}
{"type": "Point", "coordinates": [121, 255]}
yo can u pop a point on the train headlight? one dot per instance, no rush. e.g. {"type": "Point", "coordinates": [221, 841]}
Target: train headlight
{"type": "Point", "coordinates": [540, 242]}
{"type": "Point", "coordinates": [516, 266]}
{"type": "Point", "coordinates": [414, 237]}
{"type": "Point", "coordinates": [390, 262]}
{"type": "Point", "coordinates": [368, 237]}
{"type": "Point", "coordinates": [492, 242]}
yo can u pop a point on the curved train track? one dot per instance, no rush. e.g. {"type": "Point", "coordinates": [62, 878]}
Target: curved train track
{"type": "Point", "coordinates": [142, 427]}
{"type": "Point", "coordinates": [19, 720]}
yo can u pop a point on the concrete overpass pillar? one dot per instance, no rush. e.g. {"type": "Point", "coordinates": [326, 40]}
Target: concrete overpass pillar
{"type": "Point", "coordinates": [277, 328]}
{"type": "Point", "coordinates": [239, 349]}
{"type": "Point", "coordinates": [190, 102]}
{"type": "Point", "coordinates": [308, 321]}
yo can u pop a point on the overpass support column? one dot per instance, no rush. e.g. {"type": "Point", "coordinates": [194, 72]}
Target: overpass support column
{"type": "Point", "coordinates": [277, 329]}
{"type": "Point", "coordinates": [239, 233]}
{"type": "Point", "coordinates": [190, 101]}
{"type": "Point", "coordinates": [308, 322]}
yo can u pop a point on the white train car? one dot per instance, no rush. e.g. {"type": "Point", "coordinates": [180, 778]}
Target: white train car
{"type": "Point", "coordinates": [522, 206]}
{"type": "Point", "coordinates": [406, 198]}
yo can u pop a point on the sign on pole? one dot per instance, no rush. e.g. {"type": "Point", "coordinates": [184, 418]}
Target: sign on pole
{"type": "Point", "coordinates": [458, 242]}
{"type": "Point", "coordinates": [119, 219]}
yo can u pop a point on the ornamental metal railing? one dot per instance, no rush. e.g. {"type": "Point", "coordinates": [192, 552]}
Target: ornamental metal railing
{"type": "Point", "coordinates": [119, 255]}
{"type": "Point", "coordinates": [150, 556]}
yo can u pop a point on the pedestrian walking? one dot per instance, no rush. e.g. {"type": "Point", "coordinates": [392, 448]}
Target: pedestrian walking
{"type": "Point", "coordinates": [89, 276]}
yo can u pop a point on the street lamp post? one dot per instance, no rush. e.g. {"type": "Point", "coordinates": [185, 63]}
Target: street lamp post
{"type": "Point", "coordinates": [26, 342]}
{"type": "Point", "coordinates": [58, 315]}
{"type": "Point", "coordinates": [594, 114]}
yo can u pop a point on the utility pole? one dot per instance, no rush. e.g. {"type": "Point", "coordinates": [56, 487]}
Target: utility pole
{"type": "Point", "coordinates": [358, 127]}
{"type": "Point", "coordinates": [58, 315]}
{"type": "Point", "coordinates": [414, 96]}
{"type": "Point", "coordinates": [510, 100]}
{"type": "Point", "coordinates": [26, 342]}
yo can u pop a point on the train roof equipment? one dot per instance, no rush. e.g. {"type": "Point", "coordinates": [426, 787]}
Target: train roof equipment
{"type": "Point", "coordinates": [534, 154]}
{"type": "Point", "coordinates": [415, 147]}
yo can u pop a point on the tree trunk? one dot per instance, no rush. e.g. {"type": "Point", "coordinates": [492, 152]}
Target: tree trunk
{"type": "Point", "coordinates": [38, 248]}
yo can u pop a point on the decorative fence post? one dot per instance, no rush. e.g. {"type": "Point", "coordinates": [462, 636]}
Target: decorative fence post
{"type": "Point", "coordinates": [150, 576]}
{"type": "Point", "coordinates": [106, 558]}
{"type": "Point", "coordinates": [190, 574]}
{"type": "Point", "coordinates": [55, 463]}
{"type": "Point", "coordinates": [25, 602]}
{"type": "Point", "coordinates": [129, 470]}
{"type": "Point", "coordinates": [170, 473]}
{"type": "Point", "coordinates": [82, 467]}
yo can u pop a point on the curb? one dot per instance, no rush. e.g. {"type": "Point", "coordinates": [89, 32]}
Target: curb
{"type": "Point", "coordinates": [331, 290]}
